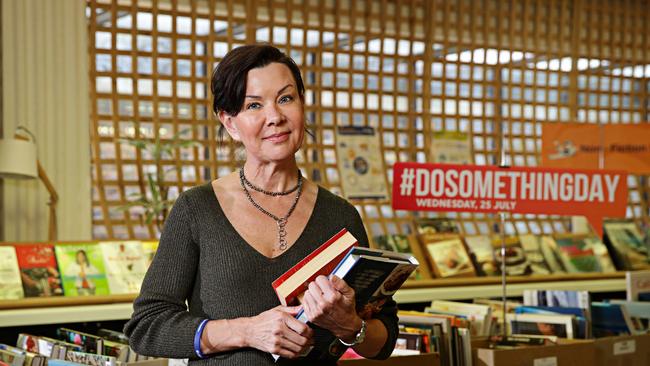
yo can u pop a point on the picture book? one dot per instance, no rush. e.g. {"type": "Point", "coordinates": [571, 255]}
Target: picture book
{"type": "Point", "coordinates": [637, 285]}
{"type": "Point", "coordinates": [322, 261]}
{"type": "Point", "coordinates": [11, 287]}
{"type": "Point", "coordinates": [626, 245]}
{"type": "Point", "coordinates": [481, 252]}
{"type": "Point", "coordinates": [541, 324]}
{"type": "Point", "coordinates": [407, 244]}
{"type": "Point", "coordinates": [533, 252]}
{"type": "Point", "coordinates": [451, 147]}
{"type": "Point", "coordinates": [375, 275]}
{"type": "Point", "coordinates": [360, 163]}
{"type": "Point", "coordinates": [125, 265]}
{"type": "Point", "coordinates": [447, 256]}
{"type": "Point", "coordinates": [39, 271]}
{"type": "Point", "coordinates": [82, 269]}
{"type": "Point", "coordinates": [516, 262]}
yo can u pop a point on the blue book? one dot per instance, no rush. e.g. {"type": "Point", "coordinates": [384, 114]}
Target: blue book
{"type": "Point", "coordinates": [610, 320]}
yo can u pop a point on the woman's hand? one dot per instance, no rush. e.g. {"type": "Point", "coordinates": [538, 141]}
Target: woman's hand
{"type": "Point", "coordinates": [329, 303]}
{"type": "Point", "coordinates": [277, 331]}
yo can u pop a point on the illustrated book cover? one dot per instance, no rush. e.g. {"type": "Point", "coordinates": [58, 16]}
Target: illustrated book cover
{"type": "Point", "coordinates": [125, 264]}
{"type": "Point", "coordinates": [360, 163]}
{"type": "Point", "coordinates": [82, 269]}
{"type": "Point", "coordinates": [39, 270]}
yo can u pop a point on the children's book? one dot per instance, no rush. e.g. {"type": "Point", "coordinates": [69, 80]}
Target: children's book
{"type": "Point", "coordinates": [39, 271]}
{"type": "Point", "coordinates": [125, 264]}
{"type": "Point", "coordinates": [11, 287]}
{"type": "Point", "coordinates": [82, 269]}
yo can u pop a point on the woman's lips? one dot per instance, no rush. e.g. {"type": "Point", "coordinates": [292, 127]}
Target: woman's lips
{"type": "Point", "coordinates": [278, 137]}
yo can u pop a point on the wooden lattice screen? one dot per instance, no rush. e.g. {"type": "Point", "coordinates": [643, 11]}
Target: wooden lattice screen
{"type": "Point", "coordinates": [408, 68]}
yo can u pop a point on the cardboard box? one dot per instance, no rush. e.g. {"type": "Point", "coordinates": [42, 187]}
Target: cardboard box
{"type": "Point", "coordinates": [565, 353]}
{"type": "Point", "coordinates": [427, 359]}
{"type": "Point", "coordinates": [623, 351]}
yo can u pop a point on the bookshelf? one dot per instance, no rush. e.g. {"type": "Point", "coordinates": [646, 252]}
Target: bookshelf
{"type": "Point", "coordinates": [56, 310]}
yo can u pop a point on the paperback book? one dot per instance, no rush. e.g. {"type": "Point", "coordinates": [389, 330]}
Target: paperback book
{"type": "Point", "coordinates": [82, 269]}
{"type": "Point", "coordinates": [637, 285]}
{"type": "Point", "coordinates": [39, 270]}
{"type": "Point", "coordinates": [125, 265]}
{"type": "Point", "coordinates": [11, 287]}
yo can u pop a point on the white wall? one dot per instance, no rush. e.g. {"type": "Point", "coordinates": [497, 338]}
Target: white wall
{"type": "Point", "coordinates": [45, 88]}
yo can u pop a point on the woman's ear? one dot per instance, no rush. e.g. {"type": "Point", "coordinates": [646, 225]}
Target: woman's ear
{"type": "Point", "coordinates": [226, 120]}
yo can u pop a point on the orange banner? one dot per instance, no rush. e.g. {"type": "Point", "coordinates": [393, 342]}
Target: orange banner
{"type": "Point", "coordinates": [585, 145]}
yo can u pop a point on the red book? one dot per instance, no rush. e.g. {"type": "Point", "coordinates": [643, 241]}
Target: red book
{"type": "Point", "coordinates": [38, 268]}
{"type": "Point", "coordinates": [322, 261]}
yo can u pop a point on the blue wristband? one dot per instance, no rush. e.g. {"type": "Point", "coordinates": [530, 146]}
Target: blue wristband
{"type": "Point", "coordinates": [197, 338]}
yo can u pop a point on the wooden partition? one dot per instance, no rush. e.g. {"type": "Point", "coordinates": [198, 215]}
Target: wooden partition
{"type": "Point", "coordinates": [408, 68]}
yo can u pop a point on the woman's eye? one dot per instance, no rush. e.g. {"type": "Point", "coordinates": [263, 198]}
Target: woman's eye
{"type": "Point", "coordinates": [253, 106]}
{"type": "Point", "coordinates": [286, 99]}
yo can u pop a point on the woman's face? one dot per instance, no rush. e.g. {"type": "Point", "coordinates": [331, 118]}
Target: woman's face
{"type": "Point", "coordinates": [271, 125]}
{"type": "Point", "coordinates": [81, 258]}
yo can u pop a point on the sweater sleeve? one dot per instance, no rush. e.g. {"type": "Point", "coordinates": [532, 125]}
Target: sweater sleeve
{"type": "Point", "coordinates": [161, 325]}
{"type": "Point", "coordinates": [388, 313]}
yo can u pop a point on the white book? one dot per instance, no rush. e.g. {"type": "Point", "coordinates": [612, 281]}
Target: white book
{"type": "Point", "coordinates": [126, 265]}
{"type": "Point", "coordinates": [11, 287]}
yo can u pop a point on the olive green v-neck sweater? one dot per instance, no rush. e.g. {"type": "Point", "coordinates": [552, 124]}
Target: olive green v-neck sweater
{"type": "Point", "coordinates": [203, 260]}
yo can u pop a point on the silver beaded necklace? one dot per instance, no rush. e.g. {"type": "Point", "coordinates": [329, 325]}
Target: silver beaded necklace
{"type": "Point", "coordinates": [281, 221]}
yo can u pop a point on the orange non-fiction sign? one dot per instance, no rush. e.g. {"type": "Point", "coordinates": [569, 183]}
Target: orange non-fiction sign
{"type": "Point", "coordinates": [471, 188]}
{"type": "Point", "coordinates": [591, 146]}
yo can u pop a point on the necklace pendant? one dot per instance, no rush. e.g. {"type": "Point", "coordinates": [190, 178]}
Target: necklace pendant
{"type": "Point", "coordinates": [282, 233]}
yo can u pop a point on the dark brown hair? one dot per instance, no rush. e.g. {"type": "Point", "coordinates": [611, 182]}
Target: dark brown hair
{"type": "Point", "coordinates": [229, 77]}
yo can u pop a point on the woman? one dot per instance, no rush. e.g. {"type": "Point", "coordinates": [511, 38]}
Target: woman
{"type": "Point", "coordinates": [225, 242]}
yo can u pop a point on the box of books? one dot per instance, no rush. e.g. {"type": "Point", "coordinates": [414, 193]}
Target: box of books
{"type": "Point", "coordinates": [623, 350]}
{"type": "Point", "coordinates": [563, 352]}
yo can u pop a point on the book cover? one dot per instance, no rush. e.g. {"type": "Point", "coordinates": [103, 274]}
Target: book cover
{"type": "Point", "coordinates": [581, 322]}
{"type": "Point", "coordinates": [481, 252]}
{"type": "Point", "coordinates": [11, 287]}
{"type": "Point", "coordinates": [626, 245]}
{"type": "Point", "coordinates": [533, 252]}
{"type": "Point", "coordinates": [82, 269]}
{"type": "Point", "coordinates": [375, 275]}
{"type": "Point", "coordinates": [125, 265]}
{"type": "Point", "coordinates": [322, 261]}
{"type": "Point", "coordinates": [451, 147]}
{"type": "Point", "coordinates": [406, 244]}
{"type": "Point", "coordinates": [637, 285]}
{"type": "Point", "coordinates": [516, 262]}
{"type": "Point", "coordinates": [610, 320]}
{"type": "Point", "coordinates": [360, 163]}
{"type": "Point", "coordinates": [447, 256]}
{"type": "Point", "coordinates": [541, 324]}
{"type": "Point", "coordinates": [39, 271]}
